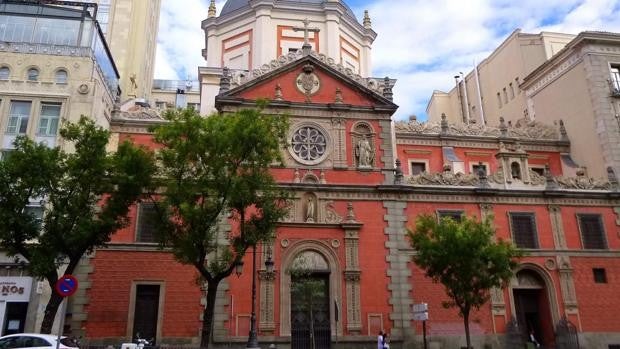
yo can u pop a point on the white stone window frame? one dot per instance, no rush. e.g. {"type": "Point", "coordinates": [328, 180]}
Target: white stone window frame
{"type": "Point", "coordinates": [473, 163]}
{"type": "Point", "coordinates": [611, 65]}
{"type": "Point", "coordinates": [132, 305]}
{"type": "Point", "coordinates": [5, 69]}
{"type": "Point", "coordinates": [535, 228]}
{"type": "Point", "coordinates": [323, 131]}
{"type": "Point", "coordinates": [58, 78]}
{"type": "Point", "coordinates": [410, 163]}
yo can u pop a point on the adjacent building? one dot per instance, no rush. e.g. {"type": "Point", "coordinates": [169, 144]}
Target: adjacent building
{"type": "Point", "coordinates": [55, 66]}
{"type": "Point", "coordinates": [549, 77]}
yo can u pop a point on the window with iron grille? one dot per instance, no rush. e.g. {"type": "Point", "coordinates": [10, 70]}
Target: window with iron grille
{"type": "Point", "coordinates": [456, 215]}
{"type": "Point", "coordinates": [145, 231]}
{"type": "Point", "coordinates": [592, 232]}
{"type": "Point", "coordinates": [523, 226]}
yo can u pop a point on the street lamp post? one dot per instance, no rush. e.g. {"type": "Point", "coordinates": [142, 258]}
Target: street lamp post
{"type": "Point", "coordinates": [253, 338]}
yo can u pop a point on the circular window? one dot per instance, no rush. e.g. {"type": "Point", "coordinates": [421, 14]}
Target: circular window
{"type": "Point", "coordinates": [309, 144]}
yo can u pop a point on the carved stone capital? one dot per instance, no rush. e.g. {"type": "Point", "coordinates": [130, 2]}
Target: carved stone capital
{"type": "Point", "coordinates": [352, 275]}
{"type": "Point", "coordinates": [264, 275]}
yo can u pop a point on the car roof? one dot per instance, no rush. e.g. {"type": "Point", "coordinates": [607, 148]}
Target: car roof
{"type": "Point", "coordinates": [40, 335]}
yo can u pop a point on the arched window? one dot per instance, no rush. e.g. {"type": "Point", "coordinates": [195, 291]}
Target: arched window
{"type": "Point", "coordinates": [515, 169]}
{"type": "Point", "coordinates": [61, 76]}
{"type": "Point", "coordinates": [4, 73]}
{"type": "Point", "coordinates": [33, 74]}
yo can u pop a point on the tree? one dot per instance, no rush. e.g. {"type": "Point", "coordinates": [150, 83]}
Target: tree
{"type": "Point", "coordinates": [465, 258]}
{"type": "Point", "coordinates": [86, 196]}
{"type": "Point", "coordinates": [213, 169]}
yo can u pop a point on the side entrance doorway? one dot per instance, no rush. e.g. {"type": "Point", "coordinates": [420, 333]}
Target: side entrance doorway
{"type": "Point", "coordinates": [310, 318]}
{"type": "Point", "coordinates": [532, 308]}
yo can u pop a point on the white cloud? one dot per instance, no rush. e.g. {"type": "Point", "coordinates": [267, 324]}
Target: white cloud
{"type": "Point", "coordinates": [421, 43]}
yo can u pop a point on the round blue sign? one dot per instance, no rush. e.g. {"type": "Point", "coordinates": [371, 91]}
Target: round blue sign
{"type": "Point", "coordinates": [66, 285]}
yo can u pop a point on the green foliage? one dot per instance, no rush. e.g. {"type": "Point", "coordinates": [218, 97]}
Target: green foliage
{"type": "Point", "coordinates": [215, 173]}
{"type": "Point", "coordinates": [464, 257]}
{"type": "Point", "coordinates": [86, 195]}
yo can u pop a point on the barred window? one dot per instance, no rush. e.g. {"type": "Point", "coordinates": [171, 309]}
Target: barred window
{"type": "Point", "coordinates": [600, 276]}
{"type": "Point", "coordinates": [592, 232]}
{"type": "Point", "coordinates": [456, 215]}
{"type": "Point", "coordinates": [523, 226]}
{"type": "Point", "coordinates": [145, 231]}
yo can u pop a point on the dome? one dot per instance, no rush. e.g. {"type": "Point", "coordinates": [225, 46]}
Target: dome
{"type": "Point", "coordinates": [233, 5]}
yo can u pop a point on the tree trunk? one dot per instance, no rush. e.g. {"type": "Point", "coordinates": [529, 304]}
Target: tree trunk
{"type": "Point", "coordinates": [50, 312]}
{"type": "Point", "coordinates": [208, 313]}
{"type": "Point", "coordinates": [466, 322]}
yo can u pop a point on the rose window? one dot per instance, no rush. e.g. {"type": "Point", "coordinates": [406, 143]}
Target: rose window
{"type": "Point", "coordinates": [308, 143]}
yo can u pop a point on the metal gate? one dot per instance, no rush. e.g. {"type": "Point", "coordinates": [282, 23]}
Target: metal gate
{"type": "Point", "coordinates": [310, 321]}
{"type": "Point", "coordinates": [566, 335]}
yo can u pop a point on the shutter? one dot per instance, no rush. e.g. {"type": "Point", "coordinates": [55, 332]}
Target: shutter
{"type": "Point", "coordinates": [524, 230]}
{"type": "Point", "coordinates": [592, 234]}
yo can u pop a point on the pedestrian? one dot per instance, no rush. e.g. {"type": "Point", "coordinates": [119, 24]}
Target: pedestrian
{"type": "Point", "coordinates": [533, 339]}
{"type": "Point", "coordinates": [380, 340]}
{"type": "Point", "coordinates": [386, 344]}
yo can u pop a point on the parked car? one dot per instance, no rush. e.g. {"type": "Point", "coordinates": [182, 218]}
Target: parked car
{"type": "Point", "coordinates": [36, 340]}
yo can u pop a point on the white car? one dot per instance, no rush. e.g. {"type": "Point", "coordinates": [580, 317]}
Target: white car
{"type": "Point", "coordinates": [35, 340]}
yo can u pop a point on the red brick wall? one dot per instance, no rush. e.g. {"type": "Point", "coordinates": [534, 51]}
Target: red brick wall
{"type": "Point", "coordinates": [109, 293]}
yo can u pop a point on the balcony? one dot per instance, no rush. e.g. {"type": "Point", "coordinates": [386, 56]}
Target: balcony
{"type": "Point", "coordinates": [56, 29]}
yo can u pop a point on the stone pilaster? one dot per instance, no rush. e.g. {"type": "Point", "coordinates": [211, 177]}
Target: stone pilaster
{"type": "Point", "coordinates": [486, 210]}
{"type": "Point", "coordinates": [557, 227]}
{"type": "Point", "coordinates": [352, 277]}
{"type": "Point", "coordinates": [80, 299]}
{"type": "Point", "coordinates": [222, 301]}
{"type": "Point", "coordinates": [387, 160]}
{"type": "Point", "coordinates": [267, 324]}
{"type": "Point", "coordinates": [617, 210]}
{"type": "Point", "coordinates": [398, 272]}
{"type": "Point", "coordinates": [567, 285]}
{"type": "Point", "coordinates": [340, 151]}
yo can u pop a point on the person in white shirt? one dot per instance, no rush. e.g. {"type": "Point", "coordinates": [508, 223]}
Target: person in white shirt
{"type": "Point", "coordinates": [380, 340]}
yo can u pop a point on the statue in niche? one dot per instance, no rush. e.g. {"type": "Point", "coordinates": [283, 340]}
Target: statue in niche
{"type": "Point", "coordinates": [364, 153]}
{"type": "Point", "coordinates": [310, 209]}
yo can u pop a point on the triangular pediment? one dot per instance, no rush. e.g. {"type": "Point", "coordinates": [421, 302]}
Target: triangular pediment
{"type": "Point", "coordinates": [308, 79]}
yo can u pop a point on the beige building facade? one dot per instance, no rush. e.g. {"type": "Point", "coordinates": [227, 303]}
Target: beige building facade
{"type": "Point", "coordinates": [492, 89]}
{"type": "Point", "coordinates": [168, 94]}
{"type": "Point", "coordinates": [552, 78]}
{"type": "Point", "coordinates": [130, 27]}
{"type": "Point", "coordinates": [248, 36]}
{"type": "Point", "coordinates": [54, 69]}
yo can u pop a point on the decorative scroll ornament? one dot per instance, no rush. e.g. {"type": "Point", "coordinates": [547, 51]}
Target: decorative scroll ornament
{"type": "Point", "coordinates": [444, 178]}
{"type": "Point", "coordinates": [331, 216]}
{"type": "Point", "coordinates": [582, 182]}
{"type": "Point", "coordinates": [522, 129]}
{"type": "Point", "coordinates": [240, 77]}
{"type": "Point", "coordinates": [536, 179]}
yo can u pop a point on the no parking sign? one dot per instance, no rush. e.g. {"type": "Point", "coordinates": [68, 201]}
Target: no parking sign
{"type": "Point", "coordinates": [66, 285]}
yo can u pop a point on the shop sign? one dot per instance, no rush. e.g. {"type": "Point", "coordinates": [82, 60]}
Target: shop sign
{"type": "Point", "coordinates": [15, 288]}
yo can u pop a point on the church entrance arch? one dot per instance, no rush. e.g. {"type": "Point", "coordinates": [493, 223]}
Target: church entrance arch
{"type": "Point", "coordinates": [309, 289]}
{"type": "Point", "coordinates": [533, 306]}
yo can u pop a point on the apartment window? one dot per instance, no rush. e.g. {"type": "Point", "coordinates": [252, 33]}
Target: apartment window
{"type": "Point", "coordinates": [48, 121]}
{"type": "Point", "coordinates": [592, 232]}
{"type": "Point", "coordinates": [512, 91]}
{"type": "Point", "coordinates": [4, 73]}
{"type": "Point", "coordinates": [417, 167]}
{"type": "Point", "coordinates": [145, 231]}
{"type": "Point", "coordinates": [160, 105]}
{"type": "Point", "coordinates": [499, 100]}
{"type": "Point", "coordinates": [61, 77]}
{"type": "Point", "coordinates": [505, 95]}
{"type": "Point", "coordinates": [600, 276]}
{"type": "Point", "coordinates": [37, 213]}
{"type": "Point", "coordinates": [18, 117]}
{"type": "Point", "coordinates": [523, 226]}
{"type": "Point", "coordinates": [455, 215]}
{"type": "Point", "coordinates": [195, 106]}
{"type": "Point", "coordinates": [5, 153]}
{"type": "Point", "coordinates": [615, 79]}
{"type": "Point", "coordinates": [33, 74]}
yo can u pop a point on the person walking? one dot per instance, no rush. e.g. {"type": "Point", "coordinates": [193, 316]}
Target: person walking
{"type": "Point", "coordinates": [380, 340]}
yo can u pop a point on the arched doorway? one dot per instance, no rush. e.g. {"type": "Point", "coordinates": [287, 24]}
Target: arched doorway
{"type": "Point", "coordinates": [533, 307]}
{"type": "Point", "coordinates": [310, 305]}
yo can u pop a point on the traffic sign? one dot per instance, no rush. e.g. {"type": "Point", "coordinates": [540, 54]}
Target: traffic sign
{"type": "Point", "coordinates": [66, 285]}
{"type": "Point", "coordinates": [420, 312]}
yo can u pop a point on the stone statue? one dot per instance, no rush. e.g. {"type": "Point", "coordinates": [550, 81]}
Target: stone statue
{"type": "Point", "coordinates": [310, 208]}
{"type": "Point", "coordinates": [364, 153]}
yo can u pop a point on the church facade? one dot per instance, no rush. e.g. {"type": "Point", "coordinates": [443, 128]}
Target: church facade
{"type": "Point", "coordinates": [357, 182]}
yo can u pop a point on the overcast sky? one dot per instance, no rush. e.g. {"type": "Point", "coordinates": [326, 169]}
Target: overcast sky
{"type": "Point", "coordinates": [421, 43]}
